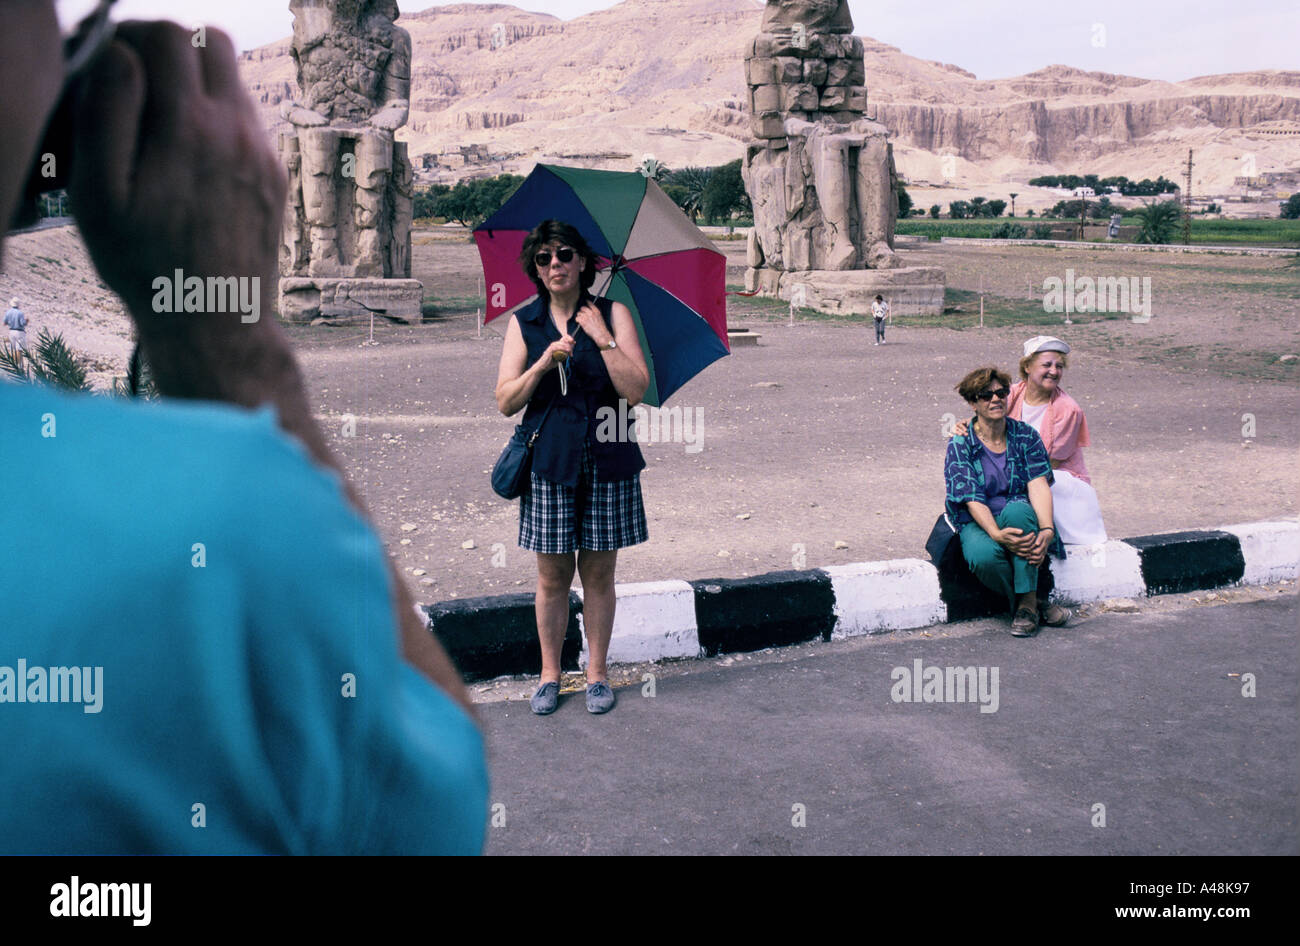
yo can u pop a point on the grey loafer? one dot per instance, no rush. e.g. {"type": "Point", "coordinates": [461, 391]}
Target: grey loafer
{"type": "Point", "coordinates": [600, 698]}
{"type": "Point", "coordinates": [545, 699]}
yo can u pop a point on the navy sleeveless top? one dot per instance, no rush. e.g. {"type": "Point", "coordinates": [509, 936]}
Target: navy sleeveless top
{"type": "Point", "coordinates": [557, 455]}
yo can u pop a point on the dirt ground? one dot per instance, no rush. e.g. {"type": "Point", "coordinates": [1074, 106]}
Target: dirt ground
{"type": "Point", "coordinates": [816, 437]}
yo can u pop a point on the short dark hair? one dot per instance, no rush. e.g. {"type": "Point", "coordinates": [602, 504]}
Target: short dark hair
{"type": "Point", "coordinates": [979, 379]}
{"type": "Point", "coordinates": [556, 231]}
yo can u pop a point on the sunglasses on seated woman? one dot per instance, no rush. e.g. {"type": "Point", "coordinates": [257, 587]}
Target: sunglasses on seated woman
{"type": "Point", "coordinates": [1000, 394]}
{"type": "Point", "coordinates": [564, 254]}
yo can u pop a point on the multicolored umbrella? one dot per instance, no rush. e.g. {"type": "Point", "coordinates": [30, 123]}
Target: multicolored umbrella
{"type": "Point", "coordinates": [651, 258]}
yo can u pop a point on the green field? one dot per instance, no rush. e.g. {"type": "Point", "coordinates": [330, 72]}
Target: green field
{"type": "Point", "coordinates": [961, 309]}
{"type": "Point", "coordinates": [1215, 232]}
{"type": "Point", "coordinates": [1274, 232]}
{"type": "Point", "coordinates": [935, 229]}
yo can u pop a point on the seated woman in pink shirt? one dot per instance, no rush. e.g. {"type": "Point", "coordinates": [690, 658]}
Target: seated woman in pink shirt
{"type": "Point", "coordinates": [1039, 401]}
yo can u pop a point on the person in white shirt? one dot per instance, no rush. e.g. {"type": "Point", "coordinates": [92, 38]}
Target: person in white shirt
{"type": "Point", "coordinates": [880, 312]}
{"type": "Point", "coordinates": [16, 322]}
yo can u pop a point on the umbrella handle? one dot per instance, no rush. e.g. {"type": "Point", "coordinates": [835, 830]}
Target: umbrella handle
{"type": "Point", "coordinates": [562, 359]}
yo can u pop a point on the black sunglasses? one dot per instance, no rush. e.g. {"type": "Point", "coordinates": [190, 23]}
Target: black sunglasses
{"type": "Point", "coordinates": [564, 254]}
{"type": "Point", "coordinates": [1000, 393]}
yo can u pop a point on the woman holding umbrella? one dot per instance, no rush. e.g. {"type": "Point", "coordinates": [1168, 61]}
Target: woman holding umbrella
{"type": "Point", "coordinates": [566, 356]}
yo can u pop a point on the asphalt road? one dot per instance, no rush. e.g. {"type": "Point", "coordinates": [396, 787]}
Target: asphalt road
{"type": "Point", "coordinates": [1143, 714]}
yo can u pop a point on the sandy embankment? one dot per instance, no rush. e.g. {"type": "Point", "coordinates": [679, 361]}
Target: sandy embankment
{"type": "Point", "coordinates": [51, 275]}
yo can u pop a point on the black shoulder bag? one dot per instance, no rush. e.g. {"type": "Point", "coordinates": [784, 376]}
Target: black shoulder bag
{"type": "Point", "coordinates": [510, 476]}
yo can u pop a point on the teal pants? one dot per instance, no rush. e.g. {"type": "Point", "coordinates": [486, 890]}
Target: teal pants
{"type": "Point", "coordinates": [997, 567]}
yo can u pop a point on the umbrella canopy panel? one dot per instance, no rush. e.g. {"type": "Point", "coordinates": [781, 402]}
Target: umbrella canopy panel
{"type": "Point", "coordinates": [678, 344]}
{"type": "Point", "coordinates": [650, 256]}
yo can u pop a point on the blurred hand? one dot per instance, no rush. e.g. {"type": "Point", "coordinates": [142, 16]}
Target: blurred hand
{"type": "Point", "coordinates": [172, 170]}
{"type": "Point", "coordinates": [960, 428]}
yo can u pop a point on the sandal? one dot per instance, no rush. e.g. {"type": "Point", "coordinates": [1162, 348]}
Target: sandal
{"type": "Point", "coordinates": [1025, 623]}
{"type": "Point", "coordinates": [1054, 616]}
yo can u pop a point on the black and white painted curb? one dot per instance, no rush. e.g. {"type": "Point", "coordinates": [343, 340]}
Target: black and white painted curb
{"type": "Point", "coordinates": [494, 636]}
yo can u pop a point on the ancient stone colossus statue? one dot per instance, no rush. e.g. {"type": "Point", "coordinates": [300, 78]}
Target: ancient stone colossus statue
{"type": "Point", "coordinates": [350, 182]}
{"type": "Point", "coordinates": [820, 175]}
{"type": "Point", "coordinates": [820, 16]}
{"type": "Point", "coordinates": [354, 64]}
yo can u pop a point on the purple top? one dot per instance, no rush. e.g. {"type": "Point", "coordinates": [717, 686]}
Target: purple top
{"type": "Point", "coordinates": [996, 480]}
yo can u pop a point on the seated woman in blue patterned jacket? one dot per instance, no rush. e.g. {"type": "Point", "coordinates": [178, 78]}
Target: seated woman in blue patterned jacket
{"type": "Point", "coordinates": [999, 498]}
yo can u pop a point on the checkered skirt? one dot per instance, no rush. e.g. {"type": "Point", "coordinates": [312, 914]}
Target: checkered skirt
{"type": "Point", "coordinates": [597, 515]}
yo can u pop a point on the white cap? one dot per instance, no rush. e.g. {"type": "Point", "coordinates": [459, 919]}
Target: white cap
{"type": "Point", "coordinates": [1045, 343]}
{"type": "Point", "coordinates": [15, 302]}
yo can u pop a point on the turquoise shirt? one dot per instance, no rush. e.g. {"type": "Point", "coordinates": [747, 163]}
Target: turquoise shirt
{"type": "Point", "coordinates": [236, 611]}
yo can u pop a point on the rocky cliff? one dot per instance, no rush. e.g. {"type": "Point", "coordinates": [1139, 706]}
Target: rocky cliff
{"type": "Point", "coordinates": [666, 77]}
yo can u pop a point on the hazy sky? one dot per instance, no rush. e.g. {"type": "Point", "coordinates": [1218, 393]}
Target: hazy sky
{"type": "Point", "coordinates": [1158, 39]}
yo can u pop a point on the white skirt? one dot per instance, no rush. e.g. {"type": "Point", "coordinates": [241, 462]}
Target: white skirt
{"type": "Point", "coordinates": [1075, 510]}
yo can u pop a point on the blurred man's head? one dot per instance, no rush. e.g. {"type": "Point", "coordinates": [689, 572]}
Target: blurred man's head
{"type": "Point", "coordinates": [31, 76]}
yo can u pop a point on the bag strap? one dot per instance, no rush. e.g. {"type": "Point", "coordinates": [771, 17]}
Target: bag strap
{"type": "Point", "coordinates": [546, 413]}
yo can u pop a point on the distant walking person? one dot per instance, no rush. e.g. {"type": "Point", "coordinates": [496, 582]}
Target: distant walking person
{"type": "Point", "coordinates": [17, 325]}
{"type": "Point", "coordinates": [880, 312]}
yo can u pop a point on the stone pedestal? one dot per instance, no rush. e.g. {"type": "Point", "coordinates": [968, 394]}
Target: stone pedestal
{"type": "Point", "coordinates": [909, 290]}
{"type": "Point", "coordinates": [303, 299]}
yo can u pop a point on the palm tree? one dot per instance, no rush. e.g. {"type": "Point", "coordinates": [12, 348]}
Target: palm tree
{"type": "Point", "coordinates": [693, 180]}
{"type": "Point", "coordinates": [53, 363]}
{"type": "Point", "coordinates": [139, 380]}
{"type": "Point", "coordinates": [1158, 221]}
{"type": "Point", "coordinates": [653, 168]}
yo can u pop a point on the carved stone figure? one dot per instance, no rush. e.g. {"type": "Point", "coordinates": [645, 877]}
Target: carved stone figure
{"type": "Point", "coordinates": [820, 16]}
{"type": "Point", "coordinates": [821, 177]}
{"type": "Point", "coordinates": [351, 183]}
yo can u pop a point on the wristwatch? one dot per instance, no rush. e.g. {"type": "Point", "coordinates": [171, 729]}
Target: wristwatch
{"type": "Point", "coordinates": [612, 345]}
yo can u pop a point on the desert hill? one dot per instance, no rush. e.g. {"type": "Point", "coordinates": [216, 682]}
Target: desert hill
{"type": "Point", "coordinates": [666, 77]}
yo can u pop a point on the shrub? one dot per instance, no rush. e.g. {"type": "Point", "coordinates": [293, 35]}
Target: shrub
{"type": "Point", "coordinates": [471, 202]}
{"type": "Point", "coordinates": [426, 201]}
{"type": "Point", "coordinates": [725, 194]}
{"type": "Point", "coordinates": [904, 202]}
{"type": "Point", "coordinates": [1158, 221]}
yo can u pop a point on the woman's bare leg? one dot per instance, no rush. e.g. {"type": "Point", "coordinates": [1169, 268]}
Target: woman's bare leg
{"type": "Point", "coordinates": [554, 577]}
{"type": "Point", "coordinates": [597, 572]}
